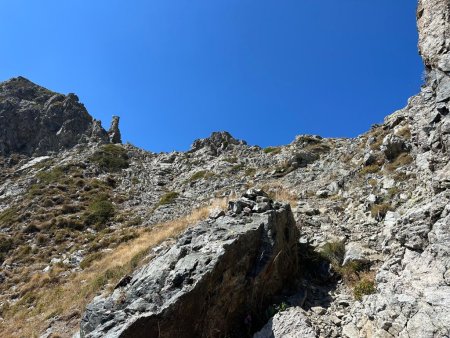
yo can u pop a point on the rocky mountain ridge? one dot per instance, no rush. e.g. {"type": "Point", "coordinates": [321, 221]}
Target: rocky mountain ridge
{"type": "Point", "coordinates": [82, 215]}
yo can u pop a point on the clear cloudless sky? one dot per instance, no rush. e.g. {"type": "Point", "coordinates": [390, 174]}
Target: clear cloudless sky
{"type": "Point", "coordinates": [176, 70]}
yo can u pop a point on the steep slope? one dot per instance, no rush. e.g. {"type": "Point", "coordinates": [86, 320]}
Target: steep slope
{"type": "Point", "coordinates": [76, 221]}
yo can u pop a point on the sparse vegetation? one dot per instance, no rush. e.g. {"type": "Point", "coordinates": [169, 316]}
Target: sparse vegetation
{"type": "Point", "coordinates": [168, 198]}
{"type": "Point", "coordinates": [57, 292]}
{"type": "Point", "coordinates": [250, 172]}
{"type": "Point", "coordinates": [404, 132]}
{"type": "Point", "coordinates": [8, 216]}
{"type": "Point", "coordinates": [272, 150]}
{"type": "Point", "coordinates": [111, 158]}
{"type": "Point", "coordinates": [402, 160]}
{"type": "Point", "coordinates": [365, 286]}
{"type": "Point", "coordinates": [202, 174]}
{"type": "Point", "coordinates": [230, 159]}
{"type": "Point", "coordinates": [99, 212]}
{"type": "Point", "coordinates": [370, 169]}
{"type": "Point", "coordinates": [334, 253]}
{"type": "Point", "coordinates": [379, 211]}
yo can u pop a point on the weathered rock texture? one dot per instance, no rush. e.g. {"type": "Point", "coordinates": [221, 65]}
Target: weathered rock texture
{"type": "Point", "coordinates": [216, 281]}
{"type": "Point", "coordinates": [114, 131]}
{"type": "Point", "coordinates": [292, 323]}
{"type": "Point", "coordinates": [384, 194]}
{"type": "Point", "coordinates": [36, 121]}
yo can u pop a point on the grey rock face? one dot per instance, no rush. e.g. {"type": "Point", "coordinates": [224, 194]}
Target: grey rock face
{"type": "Point", "coordinates": [217, 143]}
{"type": "Point", "coordinates": [292, 323]}
{"type": "Point", "coordinates": [393, 146]}
{"type": "Point", "coordinates": [114, 132]}
{"type": "Point", "coordinates": [36, 121]}
{"type": "Point", "coordinates": [219, 273]}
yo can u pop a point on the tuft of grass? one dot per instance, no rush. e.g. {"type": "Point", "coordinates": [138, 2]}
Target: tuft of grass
{"type": "Point", "coordinates": [168, 198]}
{"type": "Point", "coordinates": [202, 174]}
{"type": "Point", "coordinates": [272, 150]}
{"type": "Point", "coordinates": [379, 211]}
{"type": "Point", "coordinates": [250, 172]}
{"type": "Point", "coordinates": [370, 169]}
{"type": "Point", "coordinates": [100, 211]}
{"type": "Point", "coordinates": [7, 217]}
{"type": "Point", "coordinates": [318, 148]}
{"type": "Point", "coordinates": [111, 158]}
{"type": "Point", "coordinates": [334, 253]}
{"type": "Point", "coordinates": [238, 167]}
{"type": "Point", "coordinates": [405, 132]}
{"type": "Point", "coordinates": [402, 160]}
{"type": "Point", "coordinates": [230, 159]}
{"type": "Point", "coordinates": [365, 286]}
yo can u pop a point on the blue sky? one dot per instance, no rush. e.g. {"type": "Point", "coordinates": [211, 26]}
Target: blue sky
{"type": "Point", "coordinates": [176, 70]}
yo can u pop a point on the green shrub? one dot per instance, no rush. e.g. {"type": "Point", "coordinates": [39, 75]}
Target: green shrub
{"type": "Point", "coordinates": [168, 198]}
{"type": "Point", "coordinates": [364, 287]}
{"type": "Point", "coordinates": [69, 223]}
{"type": "Point", "coordinates": [250, 172]}
{"type": "Point", "coordinates": [50, 176]}
{"type": "Point", "coordinates": [201, 174]}
{"type": "Point", "coordinates": [272, 150]}
{"type": "Point", "coordinates": [100, 211]}
{"type": "Point", "coordinates": [7, 217]}
{"type": "Point", "coordinates": [370, 169]}
{"type": "Point", "coordinates": [6, 244]}
{"type": "Point", "coordinates": [111, 158]}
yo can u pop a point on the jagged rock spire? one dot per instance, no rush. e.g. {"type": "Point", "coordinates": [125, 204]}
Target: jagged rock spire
{"type": "Point", "coordinates": [114, 132]}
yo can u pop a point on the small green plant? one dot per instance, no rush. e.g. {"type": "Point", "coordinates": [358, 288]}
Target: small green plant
{"type": "Point", "coordinates": [250, 172]}
{"type": "Point", "coordinates": [237, 167]}
{"type": "Point", "coordinates": [205, 174]}
{"type": "Point", "coordinates": [111, 158]}
{"type": "Point", "coordinates": [230, 159]}
{"type": "Point", "coordinates": [168, 198]}
{"type": "Point", "coordinates": [364, 287]}
{"type": "Point", "coordinates": [272, 150]}
{"type": "Point", "coordinates": [100, 211]}
{"type": "Point", "coordinates": [370, 169]}
{"type": "Point", "coordinates": [7, 217]}
{"type": "Point", "coordinates": [50, 176]}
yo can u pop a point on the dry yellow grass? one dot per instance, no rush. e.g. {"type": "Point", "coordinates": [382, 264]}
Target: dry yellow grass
{"type": "Point", "coordinates": [48, 295]}
{"type": "Point", "coordinates": [279, 193]}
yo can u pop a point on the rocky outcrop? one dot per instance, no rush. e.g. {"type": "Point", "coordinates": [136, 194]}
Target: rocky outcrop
{"type": "Point", "coordinates": [216, 281]}
{"type": "Point", "coordinates": [36, 121]}
{"type": "Point", "coordinates": [217, 143]}
{"type": "Point", "coordinates": [412, 298]}
{"type": "Point", "coordinates": [114, 131]}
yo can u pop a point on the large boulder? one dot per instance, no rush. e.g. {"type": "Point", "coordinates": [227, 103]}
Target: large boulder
{"type": "Point", "coordinates": [36, 121]}
{"type": "Point", "coordinates": [216, 281]}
